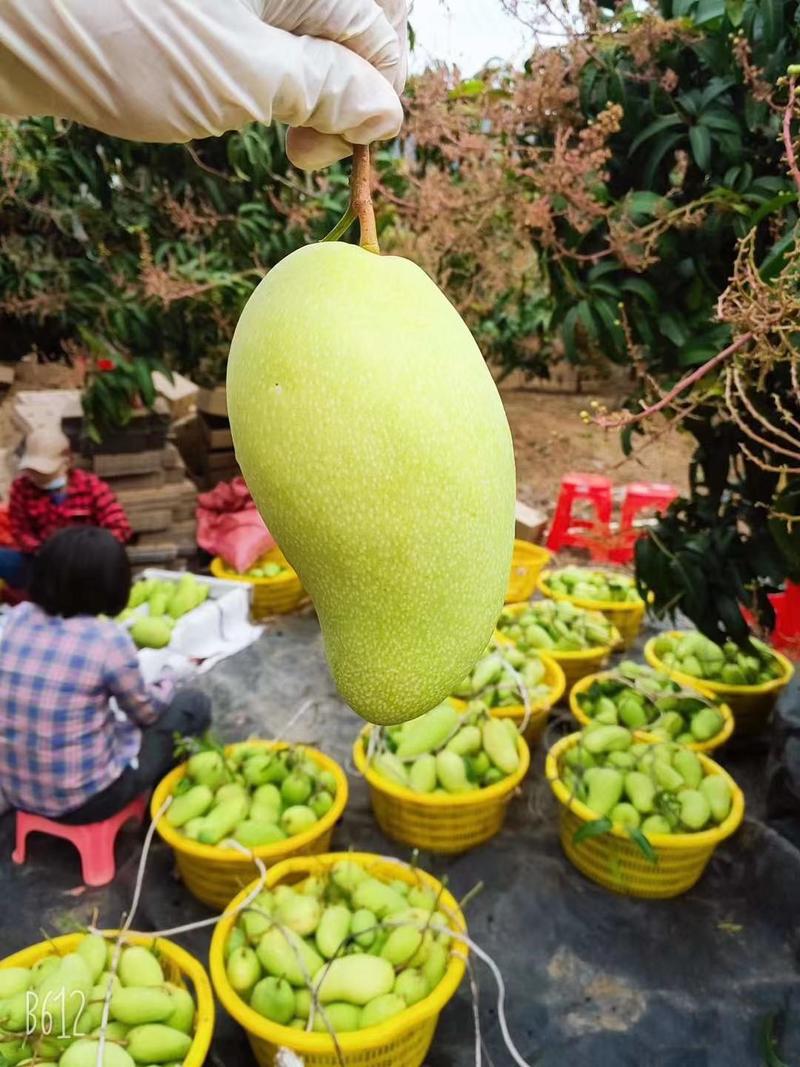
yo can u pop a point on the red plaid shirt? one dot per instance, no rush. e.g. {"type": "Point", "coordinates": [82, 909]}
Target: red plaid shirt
{"type": "Point", "coordinates": [86, 500]}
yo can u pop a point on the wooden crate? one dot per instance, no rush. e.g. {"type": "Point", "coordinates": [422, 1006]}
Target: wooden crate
{"type": "Point", "coordinates": [145, 520]}
{"type": "Point", "coordinates": [212, 401]}
{"type": "Point", "coordinates": [124, 463]}
{"type": "Point", "coordinates": [216, 432]}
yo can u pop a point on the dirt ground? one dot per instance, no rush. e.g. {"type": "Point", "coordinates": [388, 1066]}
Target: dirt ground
{"type": "Point", "coordinates": [550, 440]}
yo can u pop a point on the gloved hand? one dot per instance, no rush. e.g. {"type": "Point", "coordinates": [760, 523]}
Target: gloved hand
{"type": "Point", "coordinates": [172, 70]}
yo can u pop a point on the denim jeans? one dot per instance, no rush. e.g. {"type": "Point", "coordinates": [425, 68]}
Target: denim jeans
{"type": "Point", "coordinates": [14, 567]}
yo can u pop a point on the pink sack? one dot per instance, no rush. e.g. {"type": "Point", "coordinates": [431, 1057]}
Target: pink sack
{"type": "Point", "coordinates": [229, 525]}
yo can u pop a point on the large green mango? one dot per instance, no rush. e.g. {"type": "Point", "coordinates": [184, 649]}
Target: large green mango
{"type": "Point", "coordinates": [372, 437]}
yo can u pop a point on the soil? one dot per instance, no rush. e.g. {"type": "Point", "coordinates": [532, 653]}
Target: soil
{"type": "Point", "coordinates": [550, 439]}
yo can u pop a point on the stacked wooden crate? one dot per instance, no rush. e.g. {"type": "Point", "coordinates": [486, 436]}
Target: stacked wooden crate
{"type": "Point", "coordinates": [217, 460]}
{"type": "Point", "coordinates": [148, 476]}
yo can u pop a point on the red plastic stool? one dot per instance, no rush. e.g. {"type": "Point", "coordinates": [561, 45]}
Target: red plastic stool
{"type": "Point", "coordinates": [567, 530]}
{"type": "Point", "coordinates": [639, 497]}
{"type": "Point", "coordinates": [95, 840]}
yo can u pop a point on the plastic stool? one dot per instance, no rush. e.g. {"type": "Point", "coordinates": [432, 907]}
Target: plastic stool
{"type": "Point", "coordinates": [566, 530]}
{"type": "Point", "coordinates": [639, 497]}
{"type": "Point", "coordinates": [94, 841]}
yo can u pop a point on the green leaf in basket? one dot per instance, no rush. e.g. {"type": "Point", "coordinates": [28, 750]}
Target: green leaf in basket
{"type": "Point", "coordinates": [769, 1044]}
{"type": "Point", "coordinates": [647, 850]}
{"type": "Point", "coordinates": [595, 828]}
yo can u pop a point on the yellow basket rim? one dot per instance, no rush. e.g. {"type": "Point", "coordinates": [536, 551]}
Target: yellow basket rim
{"type": "Point", "coordinates": [716, 741]}
{"type": "Point", "coordinates": [588, 605]}
{"type": "Point", "coordinates": [475, 799]}
{"type": "Point", "coordinates": [183, 960]}
{"type": "Point", "coordinates": [529, 548]}
{"type": "Point", "coordinates": [220, 569]}
{"type": "Point", "coordinates": [771, 686]}
{"type": "Point", "coordinates": [176, 840]}
{"type": "Point", "coordinates": [668, 842]}
{"type": "Point", "coordinates": [361, 1040]}
{"type": "Point", "coordinates": [539, 707]}
{"type": "Point", "coordinates": [581, 655]}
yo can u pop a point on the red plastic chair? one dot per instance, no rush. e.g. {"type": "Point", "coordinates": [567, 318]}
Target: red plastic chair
{"type": "Point", "coordinates": [94, 841]}
{"type": "Point", "coordinates": [567, 530]}
{"type": "Point", "coordinates": [639, 497]}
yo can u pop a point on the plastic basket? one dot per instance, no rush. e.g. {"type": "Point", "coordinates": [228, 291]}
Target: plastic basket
{"type": "Point", "coordinates": [751, 705]}
{"type": "Point", "coordinates": [215, 875]}
{"type": "Point", "coordinates": [575, 665]}
{"type": "Point", "coordinates": [716, 741]}
{"type": "Point", "coordinates": [400, 1042]}
{"type": "Point", "coordinates": [179, 966]}
{"type": "Point", "coordinates": [616, 863]}
{"type": "Point", "coordinates": [271, 596]}
{"type": "Point", "coordinates": [448, 824]}
{"type": "Point", "coordinates": [627, 617]}
{"type": "Point", "coordinates": [526, 565]}
{"type": "Point", "coordinates": [540, 709]}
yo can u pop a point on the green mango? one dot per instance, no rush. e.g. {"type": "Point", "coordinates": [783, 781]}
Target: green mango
{"type": "Point", "coordinates": [151, 632]}
{"type": "Point", "coordinates": [379, 407]}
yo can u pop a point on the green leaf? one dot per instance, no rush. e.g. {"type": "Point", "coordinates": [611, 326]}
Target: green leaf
{"type": "Point", "coordinates": [772, 20]}
{"type": "Point", "coordinates": [665, 122]}
{"type": "Point", "coordinates": [568, 335]}
{"type": "Point", "coordinates": [717, 119]}
{"type": "Point", "coordinates": [467, 89]}
{"type": "Point", "coordinates": [588, 830]}
{"type": "Point", "coordinates": [639, 287]}
{"type": "Point", "coordinates": [664, 144]}
{"type": "Point", "coordinates": [645, 203]}
{"type": "Point", "coordinates": [774, 261]}
{"type": "Point", "coordinates": [700, 140]}
{"type": "Point", "coordinates": [769, 1044]}
{"type": "Point", "coordinates": [644, 846]}
{"type": "Point", "coordinates": [734, 9]}
{"type": "Point", "coordinates": [715, 88]}
{"type": "Point", "coordinates": [673, 328]}
{"type": "Point", "coordinates": [708, 11]}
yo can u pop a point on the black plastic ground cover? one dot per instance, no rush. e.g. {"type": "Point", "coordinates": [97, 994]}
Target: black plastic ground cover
{"type": "Point", "coordinates": [593, 979]}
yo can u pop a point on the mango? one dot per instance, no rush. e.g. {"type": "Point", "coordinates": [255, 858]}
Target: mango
{"type": "Point", "coordinates": [300, 913]}
{"type": "Point", "coordinates": [365, 400]}
{"type": "Point", "coordinates": [151, 632]}
{"type": "Point", "coordinates": [208, 768]}
{"type": "Point", "coordinates": [191, 805]}
{"type": "Point", "coordinates": [333, 930]}
{"type": "Point", "coordinates": [341, 1018]}
{"type": "Point", "coordinates": [411, 986]}
{"type": "Point", "coordinates": [15, 980]}
{"type": "Point", "coordinates": [144, 1004]}
{"type": "Point", "coordinates": [380, 1009]}
{"type": "Point", "coordinates": [138, 967]}
{"type": "Point", "coordinates": [94, 951]}
{"type": "Point", "coordinates": [156, 1043]}
{"type": "Point", "coordinates": [183, 1009]}
{"type": "Point", "coordinates": [278, 952]}
{"type": "Point", "coordinates": [84, 1052]}
{"type": "Point", "coordinates": [274, 998]}
{"type": "Point", "coordinates": [353, 979]}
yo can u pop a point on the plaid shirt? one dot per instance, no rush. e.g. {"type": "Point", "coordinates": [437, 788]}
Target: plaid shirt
{"type": "Point", "coordinates": [86, 500]}
{"type": "Point", "coordinates": [60, 742]}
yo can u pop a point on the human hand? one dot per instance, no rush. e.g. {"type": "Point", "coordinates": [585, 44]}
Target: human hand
{"type": "Point", "coordinates": [172, 70]}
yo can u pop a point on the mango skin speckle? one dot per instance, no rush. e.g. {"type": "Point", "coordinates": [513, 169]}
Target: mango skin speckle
{"type": "Point", "coordinates": [373, 439]}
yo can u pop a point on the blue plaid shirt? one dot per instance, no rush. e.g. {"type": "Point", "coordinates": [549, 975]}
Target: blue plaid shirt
{"type": "Point", "coordinates": [60, 742]}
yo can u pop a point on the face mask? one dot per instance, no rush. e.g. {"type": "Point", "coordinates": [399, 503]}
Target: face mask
{"type": "Point", "coordinates": [57, 483]}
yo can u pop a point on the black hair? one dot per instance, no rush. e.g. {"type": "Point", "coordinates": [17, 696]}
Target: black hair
{"type": "Point", "coordinates": [82, 570]}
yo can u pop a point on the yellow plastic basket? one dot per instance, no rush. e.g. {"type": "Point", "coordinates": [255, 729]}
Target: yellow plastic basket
{"type": "Point", "coordinates": [179, 966]}
{"type": "Point", "coordinates": [616, 863]}
{"type": "Point", "coordinates": [751, 705]}
{"type": "Point", "coordinates": [400, 1042]}
{"type": "Point", "coordinates": [626, 617]}
{"type": "Point", "coordinates": [526, 565]}
{"type": "Point", "coordinates": [540, 709]}
{"type": "Point", "coordinates": [271, 596]}
{"type": "Point", "coordinates": [716, 741]}
{"type": "Point", "coordinates": [448, 824]}
{"type": "Point", "coordinates": [575, 665]}
{"type": "Point", "coordinates": [215, 875]}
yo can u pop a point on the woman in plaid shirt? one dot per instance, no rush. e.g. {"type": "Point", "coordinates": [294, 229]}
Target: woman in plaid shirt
{"type": "Point", "coordinates": [64, 753]}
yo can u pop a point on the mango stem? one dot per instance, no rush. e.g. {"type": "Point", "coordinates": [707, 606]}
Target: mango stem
{"type": "Point", "coordinates": [361, 197]}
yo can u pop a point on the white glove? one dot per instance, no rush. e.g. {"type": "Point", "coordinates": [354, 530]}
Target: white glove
{"type": "Point", "coordinates": [173, 70]}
